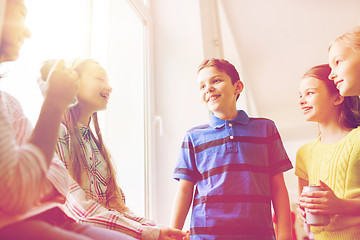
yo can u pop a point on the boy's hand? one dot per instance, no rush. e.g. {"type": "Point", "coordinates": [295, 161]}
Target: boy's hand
{"type": "Point", "coordinates": [61, 86]}
{"type": "Point", "coordinates": [171, 233]}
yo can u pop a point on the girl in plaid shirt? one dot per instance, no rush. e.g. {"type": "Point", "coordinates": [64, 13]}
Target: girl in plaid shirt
{"type": "Point", "coordinates": [94, 193]}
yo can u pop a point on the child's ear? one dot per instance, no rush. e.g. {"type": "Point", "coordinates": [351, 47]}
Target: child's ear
{"type": "Point", "coordinates": [239, 87]}
{"type": "Point", "coordinates": [338, 99]}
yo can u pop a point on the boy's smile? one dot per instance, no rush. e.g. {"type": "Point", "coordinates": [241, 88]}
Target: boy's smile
{"type": "Point", "coordinates": [213, 98]}
{"type": "Point", "coordinates": [218, 92]}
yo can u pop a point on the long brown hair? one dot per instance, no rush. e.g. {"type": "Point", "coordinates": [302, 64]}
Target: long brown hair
{"type": "Point", "coordinates": [78, 162]}
{"type": "Point", "coordinates": [350, 108]}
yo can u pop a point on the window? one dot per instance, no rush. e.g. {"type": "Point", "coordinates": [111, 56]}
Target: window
{"type": "Point", "coordinates": [126, 124]}
{"type": "Point", "coordinates": [58, 32]}
{"type": "Point", "coordinates": [113, 33]}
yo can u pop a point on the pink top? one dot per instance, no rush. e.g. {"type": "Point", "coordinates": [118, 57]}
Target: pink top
{"type": "Point", "coordinates": [27, 182]}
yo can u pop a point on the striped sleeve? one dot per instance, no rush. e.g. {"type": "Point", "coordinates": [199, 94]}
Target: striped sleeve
{"type": "Point", "coordinates": [22, 170]}
{"type": "Point", "coordinates": [186, 167]}
{"type": "Point", "coordinates": [86, 210]}
{"type": "Point", "coordinates": [59, 178]}
{"type": "Point", "coordinates": [25, 177]}
{"type": "Point", "coordinates": [279, 160]}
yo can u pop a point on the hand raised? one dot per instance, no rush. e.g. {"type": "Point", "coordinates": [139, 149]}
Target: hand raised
{"type": "Point", "coordinates": [61, 85]}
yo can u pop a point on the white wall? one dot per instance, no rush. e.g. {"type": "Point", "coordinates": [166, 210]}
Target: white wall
{"type": "Point", "coordinates": [178, 52]}
{"type": "Point", "coordinates": [275, 43]}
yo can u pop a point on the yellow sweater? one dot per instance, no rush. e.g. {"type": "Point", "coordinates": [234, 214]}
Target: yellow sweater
{"type": "Point", "coordinates": [337, 165]}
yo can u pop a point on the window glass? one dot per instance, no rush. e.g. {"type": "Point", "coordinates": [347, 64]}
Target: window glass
{"type": "Point", "coordinates": [56, 32]}
{"type": "Point", "coordinates": [111, 33]}
{"type": "Point", "coordinates": [125, 116]}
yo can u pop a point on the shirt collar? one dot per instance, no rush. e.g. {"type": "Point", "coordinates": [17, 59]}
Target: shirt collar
{"type": "Point", "coordinates": [85, 132]}
{"type": "Point", "coordinates": [242, 118]}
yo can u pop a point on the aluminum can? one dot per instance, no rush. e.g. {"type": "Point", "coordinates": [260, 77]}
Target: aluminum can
{"type": "Point", "coordinates": [315, 219]}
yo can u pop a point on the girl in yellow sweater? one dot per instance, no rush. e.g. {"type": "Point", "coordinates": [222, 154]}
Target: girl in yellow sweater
{"type": "Point", "coordinates": [333, 159]}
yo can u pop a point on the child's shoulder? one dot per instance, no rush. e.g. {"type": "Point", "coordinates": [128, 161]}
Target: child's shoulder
{"type": "Point", "coordinates": [306, 147]}
{"type": "Point", "coordinates": [201, 127]}
{"type": "Point", "coordinates": [261, 120]}
{"type": "Point", "coordinates": [262, 123]}
{"type": "Point", "coordinates": [9, 100]}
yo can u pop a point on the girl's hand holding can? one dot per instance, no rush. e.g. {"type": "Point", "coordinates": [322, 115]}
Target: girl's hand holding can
{"type": "Point", "coordinates": [322, 202]}
{"type": "Point", "coordinates": [300, 211]}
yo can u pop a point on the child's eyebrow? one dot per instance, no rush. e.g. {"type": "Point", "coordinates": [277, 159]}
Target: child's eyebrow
{"type": "Point", "coordinates": [216, 76]}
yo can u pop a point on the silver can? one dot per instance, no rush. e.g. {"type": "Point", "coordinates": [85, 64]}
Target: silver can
{"type": "Point", "coordinates": [315, 219]}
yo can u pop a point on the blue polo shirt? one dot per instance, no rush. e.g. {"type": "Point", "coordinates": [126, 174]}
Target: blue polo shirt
{"type": "Point", "coordinates": [231, 163]}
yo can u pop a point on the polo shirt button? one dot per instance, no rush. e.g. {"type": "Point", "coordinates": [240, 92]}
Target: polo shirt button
{"type": "Point", "coordinates": [92, 182]}
{"type": "Point", "coordinates": [231, 137]}
{"type": "Point", "coordinates": [230, 124]}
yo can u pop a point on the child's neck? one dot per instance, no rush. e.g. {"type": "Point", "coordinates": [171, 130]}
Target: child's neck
{"type": "Point", "coordinates": [332, 133]}
{"type": "Point", "coordinates": [84, 118]}
{"type": "Point", "coordinates": [226, 116]}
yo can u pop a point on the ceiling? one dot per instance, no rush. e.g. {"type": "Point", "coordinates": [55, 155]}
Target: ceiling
{"type": "Point", "coordinates": [273, 43]}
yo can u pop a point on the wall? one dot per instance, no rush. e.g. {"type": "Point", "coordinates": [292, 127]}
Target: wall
{"type": "Point", "coordinates": [178, 52]}
{"type": "Point", "coordinates": [274, 43]}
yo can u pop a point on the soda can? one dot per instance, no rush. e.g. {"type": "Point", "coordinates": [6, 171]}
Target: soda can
{"type": "Point", "coordinates": [315, 219]}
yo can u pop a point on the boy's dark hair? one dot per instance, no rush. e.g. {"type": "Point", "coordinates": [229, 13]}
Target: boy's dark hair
{"type": "Point", "coordinates": [221, 65]}
{"type": "Point", "coordinates": [350, 109]}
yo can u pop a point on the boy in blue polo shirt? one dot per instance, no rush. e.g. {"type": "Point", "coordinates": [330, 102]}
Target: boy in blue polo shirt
{"type": "Point", "coordinates": [236, 164]}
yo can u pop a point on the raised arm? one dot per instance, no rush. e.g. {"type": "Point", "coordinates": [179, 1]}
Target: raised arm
{"type": "Point", "coordinates": [62, 86]}
{"type": "Point", "coordinates": [24, 163]}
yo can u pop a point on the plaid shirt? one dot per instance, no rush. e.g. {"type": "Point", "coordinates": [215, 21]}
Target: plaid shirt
{"type": "Point", "coordinates": [86, 203]}
{"type": "Point", "coordinates": [26, 180]}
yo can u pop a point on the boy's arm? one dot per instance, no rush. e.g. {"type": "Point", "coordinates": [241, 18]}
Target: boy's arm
{"type": "Point", "coordinates": [181, 204]}
{"type": "Point", "coordinates": [280, 199]}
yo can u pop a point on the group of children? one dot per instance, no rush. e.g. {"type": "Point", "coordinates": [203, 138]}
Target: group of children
{"type": "Point", "coordinates": [230, 170]}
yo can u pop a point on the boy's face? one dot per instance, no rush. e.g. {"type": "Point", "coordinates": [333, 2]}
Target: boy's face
{"type": "Point", "coordinates": [345, 69]}
{"type": "Point", "coordinates": [14, 30]}
{"type": "Point", "coordinates": [218, 92]}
